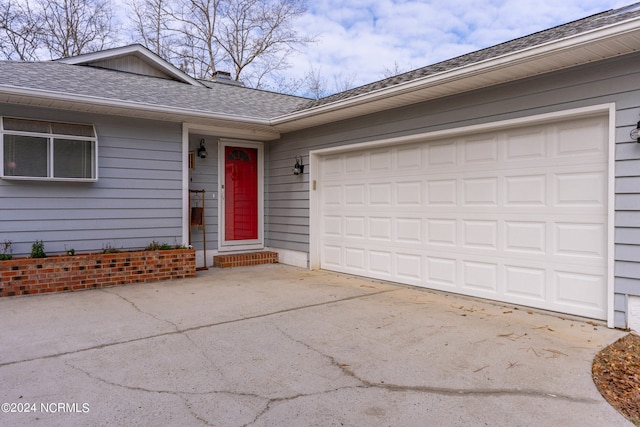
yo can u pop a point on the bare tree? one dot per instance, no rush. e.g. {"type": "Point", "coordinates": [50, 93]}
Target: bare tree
{"type": "Point", "coordinates": [72, 27]}
{"type": "Point", "coordinates": [392, 72]}
{"type": "Point", "coordinates": [19, 31]}
{"type": "Point", "coordinates": [250, 38]}
{"type": "Point", "coordinates": [32, 29]}
{"type": "Point", "coordinates": [153, 26]}
{"type": "Point", "coordinates": [195, 22]}
{"type": "Point", "coordinates": [344, 82]}
{"type": "Point", "coordinates": [252, 31]}
{"type": "Point", "coordinates": [315, 84]}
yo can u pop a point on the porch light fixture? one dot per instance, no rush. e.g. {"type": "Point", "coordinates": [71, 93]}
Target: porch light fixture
{"type": "Point", "coordinates": [202, 151]}
{"type": "Point", "coordinates": [635, 134]}
{"type": "Point", "coordinates": [298, 168]}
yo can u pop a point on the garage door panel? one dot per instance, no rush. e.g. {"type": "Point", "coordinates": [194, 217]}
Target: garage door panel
{"type": "Point", "coordinates": [582, 137]}
{"type": "Point", "coordinates": [480, 191]}
{"type": "Point", "coordinates": [441, 231]}
{"type": "Point", "coordinates": [354, 227]}
{"type": "Point", "coordinates": [380, 228]}
{"type": "Point", "coordinates": [525, 237]}
{"type": "Point", "coordinates": [481, 150]}
{"type": "Point", "coordinates": [380, 161]}
{"type": "Point", "coordinates": [409, 266]}
{"type": "Point", "coordinates": [580, 240]}
{"type": "Point", "coordinates": [525, 190]}
{"type": "Point", "coordinates": [442, 155]}
{"type": "Point", "coordinates": [442, 271]}
{"type": "Point", "coordinates": [380, 194]}
{"type": "Point", "coordinates": [480, 234]}
{"type": "Point", "coordinates": [355, 163]}
{"type": "Point", "coordinates": [409, 230]}
{"type": "Point", "coordinates": [442, 192]}
{"type": "Point", "coordinates": [526, 283]}
{"type": "Point", "coordinates": [526, 145]}
{"type": "Point", "coordinates": [580, 189]}
{"type": "Point", "coordinates": [380, 263]}
{"type": "Point", "coordinates": [409, 193]}
{"type": "Point", "coordinates": [332, 226]}
{"type": "Point", "coordinates": [518, 215]}
{"type": "Point", "coordinates": [579, 289]}
{"type": "Point", "coordinates": [355, 259]}
{"type": "Point", "coordinates": [409, 158]}
{"type": "Point", "coordinates": [480, 276]}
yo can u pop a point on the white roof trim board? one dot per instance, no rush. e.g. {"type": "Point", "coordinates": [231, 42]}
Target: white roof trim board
{"type": "Point", "coordinates": [136, 50]}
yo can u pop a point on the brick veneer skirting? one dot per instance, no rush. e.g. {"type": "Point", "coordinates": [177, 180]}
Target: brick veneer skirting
{"type": "Point", "coordinates": [86, 271]}
{"type": "Point", "coordinates": [245, 259]}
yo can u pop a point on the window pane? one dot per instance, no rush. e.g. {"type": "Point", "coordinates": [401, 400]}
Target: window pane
{"type": "Point", "coordinates": [73, 159]}
{"type": "Point", "coordinates": [26, 125]}
{"type": "Point", "coordinates": [25, 156]}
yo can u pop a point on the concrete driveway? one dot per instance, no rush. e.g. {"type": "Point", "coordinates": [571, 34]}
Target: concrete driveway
{"type": "Point", "coordinates": [279, 346]}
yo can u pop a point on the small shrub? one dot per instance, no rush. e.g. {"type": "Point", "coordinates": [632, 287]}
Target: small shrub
{"type": "Point", "coordinates": [108, 249]}
{"type": "Point", "coordinates": [71, 252]}
{"type": "Point", "coordinates": [155, 246]}
{"type": "Point", "coordinates": [37, 250]}
{"type": "Point", "coordinates": [6, 250]}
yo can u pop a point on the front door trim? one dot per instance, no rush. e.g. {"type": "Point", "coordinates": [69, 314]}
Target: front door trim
{"type": "Point", "coordinates": [239, 245]}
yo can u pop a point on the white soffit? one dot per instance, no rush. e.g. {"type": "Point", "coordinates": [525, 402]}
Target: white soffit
{"type": "Point", "coordinates": [603, 43]}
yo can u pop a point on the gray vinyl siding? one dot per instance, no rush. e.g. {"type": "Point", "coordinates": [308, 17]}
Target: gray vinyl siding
{"type": "Point", "coordinates": [136, 200]}
{"type": "Point", "coordinates": [613, 81]}
{"type": "Point", "coordinates": [204, 176]}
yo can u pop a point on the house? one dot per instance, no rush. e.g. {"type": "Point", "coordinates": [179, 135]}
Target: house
{"type": "Point", "coordinates": [511, 173]}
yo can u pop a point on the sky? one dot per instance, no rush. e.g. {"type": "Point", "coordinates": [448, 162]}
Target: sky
{"type": "Point", "coordinates": [357, 41]}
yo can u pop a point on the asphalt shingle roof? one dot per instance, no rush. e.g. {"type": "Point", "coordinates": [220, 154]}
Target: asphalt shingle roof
{"type": "Point", "coordinates": [126, 87]}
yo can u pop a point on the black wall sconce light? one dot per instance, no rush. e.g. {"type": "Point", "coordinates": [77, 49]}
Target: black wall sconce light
{"type": "Point", "coordinates": [298, 168]}
{"type": "Point", "coordinates": [635, 133]}
{"type": "Point", "coordinates": [202, 151]}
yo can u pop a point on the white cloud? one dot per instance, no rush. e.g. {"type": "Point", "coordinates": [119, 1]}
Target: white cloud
{"type": "Point", "coordinates": [366, 37]}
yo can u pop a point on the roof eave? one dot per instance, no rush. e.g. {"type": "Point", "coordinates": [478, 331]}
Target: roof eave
{"type": "Point", "coordinates": [595, 45]}
{"type": "Point", "coordinates": [245, 126]}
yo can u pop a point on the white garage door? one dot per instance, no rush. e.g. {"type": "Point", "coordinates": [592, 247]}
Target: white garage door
{"type": "Point", "coordinates": [517, 215]}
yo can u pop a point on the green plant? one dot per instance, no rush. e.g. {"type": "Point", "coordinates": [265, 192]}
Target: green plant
{"type": "Point", "coordinates": [155, 246]}
{"type": "Point", "coordinates": [6, 250]}
{"type": "Point", "coordinates": [37, 250]}
{"type": "Point", "coordinates": [109, 249]}
{"type": "Point", "coordinates": [71, 252]}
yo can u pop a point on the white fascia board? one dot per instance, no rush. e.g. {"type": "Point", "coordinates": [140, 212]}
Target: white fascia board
{"type": "Point", "coordinates": [105, 102]}
{"type": "Point", "coordinates": [535, 53]}
{"type": "Point", "coordinates": [135, 49]}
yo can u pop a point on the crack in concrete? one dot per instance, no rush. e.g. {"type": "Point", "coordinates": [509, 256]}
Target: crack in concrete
{"type": "Point", "coordinates": [161, 391]}
{"type": "Point", "coordinates": [270, 402]}
{"type": "Point", "coordinates": [138, 309]}
{"type": "Point", "coordinates": [366, 384]}
{"type": "Point", "coordinates": [194, 328]}
{"type": "Point", "coordinates": [175, 326]}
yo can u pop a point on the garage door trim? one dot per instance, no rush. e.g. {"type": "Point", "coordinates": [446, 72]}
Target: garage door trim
{"type": "Point", "coordinates": [315, 157]}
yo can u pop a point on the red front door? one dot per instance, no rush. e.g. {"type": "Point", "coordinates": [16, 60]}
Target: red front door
{"type": "Point", "coordinates": [241, 193]}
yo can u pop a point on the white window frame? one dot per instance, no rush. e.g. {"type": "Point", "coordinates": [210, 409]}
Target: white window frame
{"type": "Point", "coordinates": [50, 137]}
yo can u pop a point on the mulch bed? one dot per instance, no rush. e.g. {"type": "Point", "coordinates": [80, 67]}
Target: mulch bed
{"type": "Point", "coordinates": [616, 374]}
